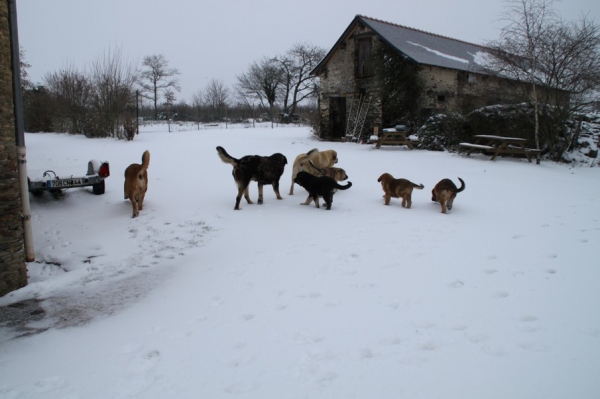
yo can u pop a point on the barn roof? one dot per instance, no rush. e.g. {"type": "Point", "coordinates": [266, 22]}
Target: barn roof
{"type": "Point", "coordinates": [422, 47]}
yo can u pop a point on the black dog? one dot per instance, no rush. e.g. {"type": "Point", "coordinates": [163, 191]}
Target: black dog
{"type": "Point", "coordinates": [319, 186]}
{"type": "Point", "coordinates": [263, 170]}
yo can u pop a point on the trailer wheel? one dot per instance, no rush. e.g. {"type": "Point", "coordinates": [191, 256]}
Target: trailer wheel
{"type": "Point", "coordinates": [35, 193]}
{"type": "Point", "coordinates": [98, 188]}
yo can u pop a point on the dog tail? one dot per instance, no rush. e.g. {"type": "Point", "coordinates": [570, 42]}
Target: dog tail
{"type": "Point", "coordinates": [462, 185]}
{"type": "Point", "coordinates": [313, 151]}
{"type": "Point", "coordinates": [225, 157]}
{"type": "Point", "coordinates": [346, 187]}
{"type": "Point", "coordinates": [418, 186]}
{"type": "Point", "coordinates": [145, 162]}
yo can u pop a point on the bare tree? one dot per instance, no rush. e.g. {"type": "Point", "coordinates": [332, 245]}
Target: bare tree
{"type": "Point", "coordinates": [24, 66]}
{"type": "Point", "coordinates": [113, 79]}
{"type": "Point", "coordinates": [157, 77]}
{"type": "Point", "coordinates": [297, 83]}
{"type": "Point", "coordinates": [261, 83]}
{"type": "Point", "coordinates": [169, 101]}
{"type": "Point", "coordinates": [559, 61]}
{"type": "Point", "coordinates": [521, 42]}
{"type": "Point", "coordinates": [197, 103]}
{"type": "Point", "coordinates": [72, 94]}
{"type": "Point", "coordinates": [216, 96]}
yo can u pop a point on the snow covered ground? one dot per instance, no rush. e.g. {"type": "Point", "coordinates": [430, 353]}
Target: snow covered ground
{"type": "Point", "coordinates": [497, 299]}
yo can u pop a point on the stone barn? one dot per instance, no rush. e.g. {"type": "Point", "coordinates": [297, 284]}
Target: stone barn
{"type": "Point", "coordinates": [451, 73]}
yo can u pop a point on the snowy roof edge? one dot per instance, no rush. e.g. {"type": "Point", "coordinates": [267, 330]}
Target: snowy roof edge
{"type": "Point", "coordinates": [425, 55]}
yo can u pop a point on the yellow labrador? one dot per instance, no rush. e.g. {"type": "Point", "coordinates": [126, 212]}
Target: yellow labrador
{"type": "Point", "coordinates": [136, 183]}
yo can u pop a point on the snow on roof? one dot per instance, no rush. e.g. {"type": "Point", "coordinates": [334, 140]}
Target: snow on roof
{"type": "Point", "coordinates": [440, 53]}
{"type": "Point", "coordinates": [420, 46]}
{"type": "Point", "coordinates": [428, 48]}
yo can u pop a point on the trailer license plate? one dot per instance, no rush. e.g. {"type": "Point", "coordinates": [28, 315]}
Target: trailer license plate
{"type": "Point", "coordinates": [58, 183]}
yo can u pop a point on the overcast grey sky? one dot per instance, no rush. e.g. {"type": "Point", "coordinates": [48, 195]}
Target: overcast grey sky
{"type": "Point", "coordinates": [219, 39]}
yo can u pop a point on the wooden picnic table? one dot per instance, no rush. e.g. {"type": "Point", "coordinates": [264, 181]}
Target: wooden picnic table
{"type": "Point", "coordinates": [393, 136]}
{"type": "Point", "coordinates": [500, 145]}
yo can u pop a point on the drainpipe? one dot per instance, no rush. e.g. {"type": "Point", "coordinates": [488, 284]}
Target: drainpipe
{"type": "Point", "coordinates": [19, 131]}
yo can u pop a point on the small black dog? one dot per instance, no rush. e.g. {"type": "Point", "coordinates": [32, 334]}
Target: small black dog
{"type": "Point", "coordinates": [319, 186]}
{"type": "Point", "coordinates": [263, 170]}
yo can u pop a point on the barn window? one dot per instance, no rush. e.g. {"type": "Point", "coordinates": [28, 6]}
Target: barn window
{"type": "Point", "coordinates": [365, 67]}
{"type": "Point", "coordinates": [442, 99]}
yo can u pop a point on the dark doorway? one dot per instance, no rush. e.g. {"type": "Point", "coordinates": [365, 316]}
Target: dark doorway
{"type": "Point", "coordinates": [337, 117]}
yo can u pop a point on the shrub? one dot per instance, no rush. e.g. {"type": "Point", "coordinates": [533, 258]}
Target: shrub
{"type": "Point", "coordinates": [442, 132]}
{"type": "Point", "coordinates": [514, 120]}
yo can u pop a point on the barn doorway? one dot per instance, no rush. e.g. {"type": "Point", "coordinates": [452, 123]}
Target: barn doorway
{"type": "Point", "coordinates": [337, 117]}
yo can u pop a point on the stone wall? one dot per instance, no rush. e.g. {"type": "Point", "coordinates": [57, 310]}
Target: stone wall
{"type": "Point", "coordinates": [13, 271]}
{"type": "Point", "coordinates": [339, 80]}
{"type": "Point", "coordinates": [448, 90]}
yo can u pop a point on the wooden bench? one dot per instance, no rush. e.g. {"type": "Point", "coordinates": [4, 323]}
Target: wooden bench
{"type": "Point", "coordinates": [499, 145]}
{"type": "Point", "coordinates": [520, 150]}
{"type": "Point", "coordinates": [393, 136]}
{"type": "Point", "coordinates": [477, 147]}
